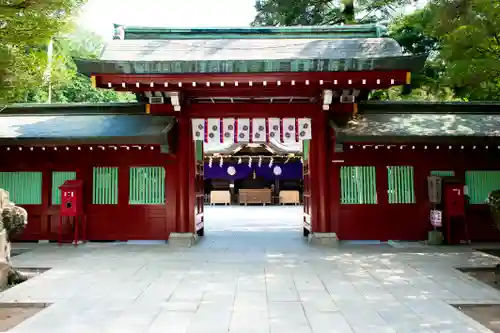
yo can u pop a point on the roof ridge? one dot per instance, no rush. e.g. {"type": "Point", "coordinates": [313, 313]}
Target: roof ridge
{"type": "Point", "coordinates": [142, 32]}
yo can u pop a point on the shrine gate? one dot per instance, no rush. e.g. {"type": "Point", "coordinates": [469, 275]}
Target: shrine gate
{"type": "Point", "coordinates": [365, 163]}
{"type": "Point", "coordinates": [249, 85]}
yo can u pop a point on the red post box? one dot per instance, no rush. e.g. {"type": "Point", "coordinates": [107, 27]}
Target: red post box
{"type": "Point", "coordinates": [71, 208]}
{"type": "Point", "coordinates": [454, 200]}
{"type": "Point", "coordinates": [454, 210]}
{"type": "Point", "coordinates": [71, 198]}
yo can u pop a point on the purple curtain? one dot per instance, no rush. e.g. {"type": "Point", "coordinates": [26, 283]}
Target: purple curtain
{"type": "Point", "coordinates": [218, 172]}
{"type": "Point", "coordinates": [280, 171]}
{"type": "Point", "coordinates": [276, 171]}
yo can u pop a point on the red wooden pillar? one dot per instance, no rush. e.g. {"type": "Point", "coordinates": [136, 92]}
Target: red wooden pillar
{"type": "Point", "coordinates": [191, 174]}
{"type": "Point", "coordinates": [319, 160]}
{"type": "Point", "coordinates": [46, 202]}
{"type": "Point", "coordinates": [171, 180]}
{"type": "Point", "coordinates": [333, 167]}
{"type": "Point", "coordinates": [184, 166]}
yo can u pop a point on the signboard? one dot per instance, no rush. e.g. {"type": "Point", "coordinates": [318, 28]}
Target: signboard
{"type": "Point", "coordinates": [434, 186]}
{"type": "Point", "coordinates": [436, 218]}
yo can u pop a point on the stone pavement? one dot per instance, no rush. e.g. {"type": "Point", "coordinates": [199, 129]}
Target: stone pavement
{"type": "Point", "coordinates": [245, 276]}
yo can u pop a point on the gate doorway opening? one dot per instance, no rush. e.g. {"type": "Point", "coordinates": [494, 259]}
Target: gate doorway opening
{"type": "Point", "coordinates": [254, 190]}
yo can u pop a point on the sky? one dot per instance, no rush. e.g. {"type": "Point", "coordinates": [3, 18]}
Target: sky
{"type": "Point", "coordinates": [99, 15]}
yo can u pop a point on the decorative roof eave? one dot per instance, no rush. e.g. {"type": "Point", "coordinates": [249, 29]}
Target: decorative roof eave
{"type": "Point", "coordinates": [413, 139]}
{"type": "Point", "coordinates": [103, 140]}
{"type": "Point", "coordinates": [407, 63]}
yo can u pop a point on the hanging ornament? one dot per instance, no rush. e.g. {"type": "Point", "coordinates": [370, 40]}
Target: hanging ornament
{"type": "Point", "coordinates": [301, 160]}
{"type": "Point", "coordinates": [271, 162]}
{"type": "Point", "coordinates": [239, 160]}
{"type": "Point", "coordinates": [250, 162]}
{"type": "Point", "coordinates": [210, 160]}
{"type": "Point", "coordinates": [221, 162]}
{"type": "Point", "coordinates": [260, 161]}
{"type": "Point", "coordinates": [254, 175]}
{"type": "Point", "coordinates": [277, 171]}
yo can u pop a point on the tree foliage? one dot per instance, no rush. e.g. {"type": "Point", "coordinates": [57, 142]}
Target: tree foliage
{"type": "Point", "coordinates": [74, 87]}
{"type": "Point", "coordinates": [324, 12]}
{"type": "Point", "coordinates": [26, 27]}
{"type": "Point", "coordinates": [298, 12]}
{"type": "Point", "coordinates": [411, 32]}
{"type": "Point", "coordinates": [463, 40]}
{"type": "Point", "coordinates": [469, 37]}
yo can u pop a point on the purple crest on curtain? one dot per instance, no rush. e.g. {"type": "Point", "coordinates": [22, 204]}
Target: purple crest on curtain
{"type": "Point", "coordinates": [291, 170]}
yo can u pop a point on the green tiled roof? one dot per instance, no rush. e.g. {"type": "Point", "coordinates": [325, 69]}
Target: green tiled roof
{"type": "Point", "coordinates": [250, 49]}
{"type": "Point", "coordinates": [72, 108]}
{"type": "Point", "coordinates": [250, 56]}
{"type": "Point", "coordinates": [143, 50]}
{"type": "Point", "coordinates": [414, 122]}
{"type": "Point", "coordinates": [425, 107]}
{"type": "Point", "coordinates": [344, 31]}
{"type": "Point", "coordinates": [108, 128]}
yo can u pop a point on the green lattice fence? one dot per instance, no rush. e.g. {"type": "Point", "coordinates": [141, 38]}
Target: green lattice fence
{"type": "Point", "coordinates": [25, 188]}
{"type": "Point", "coordinates": [105, 186]}
{"type": "Point", "coordinates": [198, 148]}
{"type": "Point", "coordinates": [147, 186]}
{"type": "Point", "coordinates": [306, 148]}
{"type": "Point", "coordinates": [358, 185]}
{"type": "Point", "coordinates": [480, 184]}
{"type": "Point", "coordinates": [400, 187]}
{"type": "Point", "coordinates": [58, 178]}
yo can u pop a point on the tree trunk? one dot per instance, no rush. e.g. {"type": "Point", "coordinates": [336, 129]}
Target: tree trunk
{"type": "Point", "coordinates": [348, 12]}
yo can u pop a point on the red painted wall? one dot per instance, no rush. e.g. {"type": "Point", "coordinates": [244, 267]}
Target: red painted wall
{"type": "Point", "coordinates": [386, 221]}
{"type": "Point", "coordinates": [104, 222]}
{"type": "Point", "coordinates": [383, 221]}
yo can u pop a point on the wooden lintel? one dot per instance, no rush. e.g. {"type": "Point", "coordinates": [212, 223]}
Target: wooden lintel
{"type": "Point", "coordinates": [341, 80]}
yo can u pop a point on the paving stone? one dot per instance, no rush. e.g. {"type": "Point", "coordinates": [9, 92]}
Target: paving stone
{"type": "Point", "coordinates": [253, 272]}
{"type": "Point", "coordinates": [328, 322]}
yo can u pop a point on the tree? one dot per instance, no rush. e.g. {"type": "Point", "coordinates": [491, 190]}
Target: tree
{"type": "Point", "coordinates": [469, 35]}
{"type": "Point", "coordinates": [324, 12]}
{"type": "Point", "coordinates": [298, 12]}
{"type": "Point", "coordinates": [462, 38]}
{"type": "Point", "coordinates": [26, 27]}
{"type": "Point", "coordinates": [410, 31]}
{"type": "Point", "coordinates": [73, 87]}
